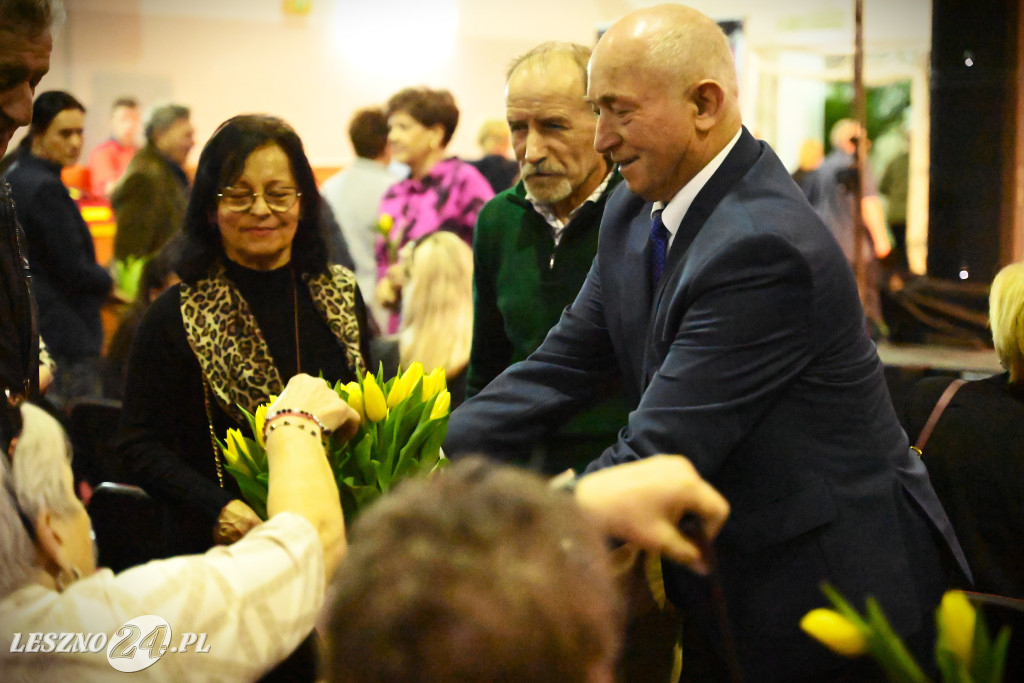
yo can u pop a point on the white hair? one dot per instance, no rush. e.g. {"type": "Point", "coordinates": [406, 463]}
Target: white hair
{"type": "Point", "coordinates": [41, 481]}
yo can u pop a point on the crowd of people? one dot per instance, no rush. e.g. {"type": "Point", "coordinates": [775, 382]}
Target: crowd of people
{"type": "Point", "coordinates": [643, 297]}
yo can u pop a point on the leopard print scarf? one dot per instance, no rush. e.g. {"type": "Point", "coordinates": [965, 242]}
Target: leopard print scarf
{"type": "Point", "coordinates": [232, 353]}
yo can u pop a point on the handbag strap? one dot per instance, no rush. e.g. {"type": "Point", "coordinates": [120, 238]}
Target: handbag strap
{"type": "Point", "coordinates": [940, 406]}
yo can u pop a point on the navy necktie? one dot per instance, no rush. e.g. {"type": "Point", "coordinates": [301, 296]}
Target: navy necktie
{"type": "Point", "coordinates": [659, 248]}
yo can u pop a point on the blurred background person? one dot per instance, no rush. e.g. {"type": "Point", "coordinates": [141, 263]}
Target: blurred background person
{"type": "Point", "coordinates": [894, 186]}
{"type": "Point", "coordinates": [437, 312]}
{"type": "Point", "coordinates": [808, 160]}
{"type": "Point", "coordinates": [149, 202]}
{"type": "Point", "coordinates": [534, 244]}
{"type": "Point", "coordinates": [258, 303]}
{"type": "Point", "coordinates": [354, 196]}
{"type": "Point", "coordinates": [441, 193]}
{"type": "Point", "coordinates": [109, 159]}
{"type": "Point", "coordinates": [70, 287]}
{"type": "Point", "coordinates": [259, 598]}
{"type": "Point", "coordinates": [157, 275]}
{"type": "Point", "coordinates": [974, 453]}
{"type": "Point", "coordinates": [495, 165]}
{"type": "Point", "coordinates": [832, 189]}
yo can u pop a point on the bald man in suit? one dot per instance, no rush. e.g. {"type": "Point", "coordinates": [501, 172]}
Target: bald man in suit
{"type": "Point", "coordinates": [728, 311]}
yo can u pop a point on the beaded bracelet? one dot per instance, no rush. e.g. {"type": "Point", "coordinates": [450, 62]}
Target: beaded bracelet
{"type": "Point", "coordinates": [298, 413]}
{"type": "Point", "coordinates": [268, 427]}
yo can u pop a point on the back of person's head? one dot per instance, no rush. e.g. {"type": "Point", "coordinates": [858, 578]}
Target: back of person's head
{"type": "Point", "coordinates": [221, 163]}
{"type": "Point", "coordinates": [844, 133]}
{"type": "Point", "coordinates": [45, 109]}
{"type": "Point", "coordinates": [368, 131]}
{"type": "Point", "coordinates": [35, 480]}
{"type": "Point", "coordinates": [1006, 317]}
{"type": "Point", "coordinates": [160, 272]}
{"type": "Point", "coordinates": [161, 118]}
{"type": "Point", "coordinates": [479, 573]}
{"type": "Point", "coordinates": [437, 304]}
{"type": "Point", "coordinates": [811, 154]}
{"type": "Point", "coordinates": [428, 107]}
{"type": "Point", "coordinates": [30, 17]}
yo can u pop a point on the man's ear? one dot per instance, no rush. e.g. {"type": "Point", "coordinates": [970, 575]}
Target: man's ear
{"type": "Point", "coordinates": [708, 97]}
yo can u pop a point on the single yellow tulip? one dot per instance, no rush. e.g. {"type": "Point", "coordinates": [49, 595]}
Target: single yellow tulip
{"type": "Point", "coordinates": [433, 383]}
{"type": "Point", "coordinates": [834, 631]}
{"type": "Point", "coordinates": [373, 400]}
{"type": "Point", "coordinates": [235, 448]}
{"type": "Point", "coordinates": [260, 418]}
{"type": "Point", "coordinates": [440, 409]}
{"type": "Point", "coordinates": [412, 375]}
{"type": "Point", "coordinates": [956, 624]}
{"type": "Point", "coordinates": [397, 393]}
{"type": "Point", "coordinates": [385, 224]}
{"type": "Point", "coordinates": [355, 398]}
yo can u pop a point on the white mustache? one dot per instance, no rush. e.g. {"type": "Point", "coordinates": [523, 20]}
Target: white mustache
{"type": "Point", "coordinates": [533, 169]}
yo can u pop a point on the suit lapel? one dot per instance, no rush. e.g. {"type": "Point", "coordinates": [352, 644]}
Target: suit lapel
{"type": "Point", "coordinates": [739, 160]}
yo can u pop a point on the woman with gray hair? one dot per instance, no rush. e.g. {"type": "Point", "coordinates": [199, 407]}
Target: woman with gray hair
{"type": "Point", "coordinates": [61, 619]}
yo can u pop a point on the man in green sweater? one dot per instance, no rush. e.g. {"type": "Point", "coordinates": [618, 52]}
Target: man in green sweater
{"type": "Point", "coordinates": [534, 243]}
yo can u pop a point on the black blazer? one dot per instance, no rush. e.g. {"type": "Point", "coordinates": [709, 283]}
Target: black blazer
{"type": "Point", "coordinates": [751, 358]}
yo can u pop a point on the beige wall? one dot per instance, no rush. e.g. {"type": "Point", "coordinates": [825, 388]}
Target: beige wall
{"type": "Point", "coordinates": [223, 57]}
{"type": "Point", "coordinates": [234, 57]}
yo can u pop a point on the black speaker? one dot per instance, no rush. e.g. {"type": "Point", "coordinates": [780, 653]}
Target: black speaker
{"type": "Point", "coordinates": [972, 133]}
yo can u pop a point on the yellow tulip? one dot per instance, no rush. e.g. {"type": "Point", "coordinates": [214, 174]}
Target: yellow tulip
{"type": "Point", "coordinates": [834, 631]}
{"type": "Point", "coordinates": [235, 448]}
{"type": "Point", "coordinates": [412, 375]}
{"type": "Point", "coordinates": [440, 409]}
{"type": "Point", "coordinates": [397, 393]}
{"type": "Point", "coordinates": [355, 398]}
{"type": "Point", "coordinates": [956, 624]}
{"type": "Point", "coordinates": [260, 418]}
{"type": "Point", "coordinates": [433, 383]}
{"type": "Point", "coordinates": [385, 224]}
{"type": "Point", "coordinates": [373, 400]}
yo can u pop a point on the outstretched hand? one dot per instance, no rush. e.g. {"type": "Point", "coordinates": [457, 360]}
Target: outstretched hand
{"type": "Point", "coordinates": [642, 502]}
{"type": "Point", "coordinates": [314, 395]}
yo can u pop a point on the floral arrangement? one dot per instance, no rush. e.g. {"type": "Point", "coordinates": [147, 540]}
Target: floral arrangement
{"type": "Point", "coordinates": [403, 423]}
{"type": "Point", "coordinates": [964, 650]}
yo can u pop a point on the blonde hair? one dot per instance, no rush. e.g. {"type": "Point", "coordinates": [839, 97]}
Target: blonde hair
{"type": "Point", "coordinates": [437, 305]}
{"type": "Point", "coordinates": [1006, 317]}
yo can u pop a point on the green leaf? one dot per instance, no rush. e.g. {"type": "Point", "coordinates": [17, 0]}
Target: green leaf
{"type": "Point", "coordinates": [253, 491]}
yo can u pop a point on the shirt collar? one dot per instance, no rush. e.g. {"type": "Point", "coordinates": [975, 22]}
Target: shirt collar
{"type": "Point", "coordinates": [672, 214]}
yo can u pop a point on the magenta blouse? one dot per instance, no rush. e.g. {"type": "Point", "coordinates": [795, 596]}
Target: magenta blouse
{"type": "Point", "coordinates": [447, 198]}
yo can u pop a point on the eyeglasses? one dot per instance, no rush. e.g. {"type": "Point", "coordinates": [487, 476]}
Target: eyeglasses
{"type": "Point", "coordinates": [278, 200]}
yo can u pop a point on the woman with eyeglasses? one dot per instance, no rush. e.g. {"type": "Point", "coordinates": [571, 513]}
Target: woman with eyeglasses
{"type": "Point", "coordinates": [257, 304]}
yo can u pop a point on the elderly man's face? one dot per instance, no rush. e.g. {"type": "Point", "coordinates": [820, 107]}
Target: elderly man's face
{"type": "Point", "coordinates": [645, 121]}
{"type": "Point", "coordinates": [23, 62]}
{"type": "Point", "coordinates": [553, 133]}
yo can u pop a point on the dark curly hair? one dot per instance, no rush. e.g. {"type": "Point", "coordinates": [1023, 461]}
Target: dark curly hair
{"type": "Point", "coordinates": [220, 164]}
{"type": "Point", "coordinates": [428, 107]}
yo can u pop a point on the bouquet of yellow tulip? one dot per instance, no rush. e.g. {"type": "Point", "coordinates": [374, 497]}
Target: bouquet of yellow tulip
{"type": "Point", "coordinates": [964, 651]}
{"type": "Point", "coordinates": [403, 423]}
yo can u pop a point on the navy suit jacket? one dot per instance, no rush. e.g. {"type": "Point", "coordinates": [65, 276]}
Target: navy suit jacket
{"type": "Point", "coordinates": [750, 358]}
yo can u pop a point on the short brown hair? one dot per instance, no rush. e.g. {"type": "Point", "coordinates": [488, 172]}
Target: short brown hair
{"type": "Point", "coordinates": [368, 131]}
{"type": "Point", "coordinates": [480, 573]}
{"type": "Point", "coordinates": [428, 107]}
